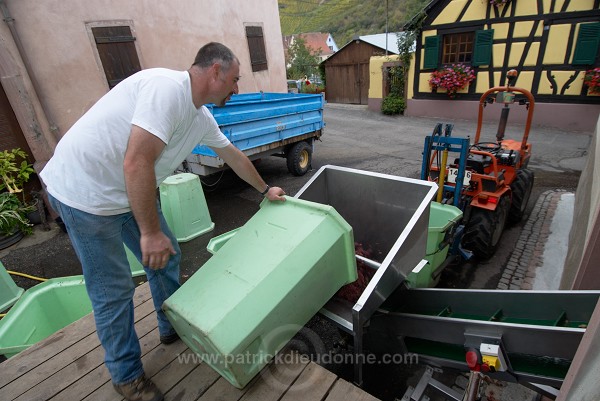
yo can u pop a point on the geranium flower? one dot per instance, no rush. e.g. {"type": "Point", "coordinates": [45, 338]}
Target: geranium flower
{"type": "Point", "coordinates": [452, 78]}
{"type": "Point", "coordinates": [592, 80]}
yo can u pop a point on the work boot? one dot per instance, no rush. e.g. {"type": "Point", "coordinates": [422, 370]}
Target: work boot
{"type": "Point", "coordinates": [170, 339]}
{"type": "Point", "coordinates": [141, 389]}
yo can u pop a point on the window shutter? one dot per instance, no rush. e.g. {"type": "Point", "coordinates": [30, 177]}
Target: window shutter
{"type": "Point", "coordinates": [588, 42]}
{"type": "Point", "coordinates": [482, 52]}
{"type": "Point", "coordinates": [256, 45]}
{"type": "Point", "coordinates": [432, 46]}
{"type": "Point", "coordinates": [117, 53]}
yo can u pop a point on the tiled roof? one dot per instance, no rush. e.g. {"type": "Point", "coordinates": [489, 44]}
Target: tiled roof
{"type": "Point", "coordinates": [317, 41]}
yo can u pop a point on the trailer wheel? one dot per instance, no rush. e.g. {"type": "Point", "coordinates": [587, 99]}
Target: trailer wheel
{"type": "Point", "coordinates": [484, 230]}
{"type": "Point", "coordinates": [299, 158]}
{"type": "Point", "coordinates": [521, 191]}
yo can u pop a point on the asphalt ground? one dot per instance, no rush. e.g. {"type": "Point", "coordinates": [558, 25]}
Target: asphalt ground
{"type": "Point", "coordinates": [358, 138]}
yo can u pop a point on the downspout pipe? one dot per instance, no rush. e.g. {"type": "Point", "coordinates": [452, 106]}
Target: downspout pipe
{"type": "Point", "coordinates": [10, 21]}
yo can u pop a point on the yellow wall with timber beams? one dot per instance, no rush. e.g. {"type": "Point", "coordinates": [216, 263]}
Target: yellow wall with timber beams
{"type": "Point", "coordinates": [555, 54]}
{"type": "Point", "coordinates": [528, 45]}
{"type": "Point", "coordinates": [561, 78]}
{"type": "Point", "coordinates": [538, 38]}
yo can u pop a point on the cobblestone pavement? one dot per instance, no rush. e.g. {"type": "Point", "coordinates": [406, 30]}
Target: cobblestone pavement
{"type": "Point", "coordinates": [520, 271]}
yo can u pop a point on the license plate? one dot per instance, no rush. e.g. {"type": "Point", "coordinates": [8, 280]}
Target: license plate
{"type": "Point", "coordinates": [453, 173]}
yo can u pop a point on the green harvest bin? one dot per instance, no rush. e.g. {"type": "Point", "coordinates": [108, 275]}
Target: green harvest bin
{"type": "Point", "coordinates": [136, 267]}
{"type": "Point", "coordinates": [184, 206]}
{"type": "Point", "coordinates": [254, 294]}
{"type": "Point", "coordinates": [41, 311]}
{"type": "Point", "coordinates": [441, 219]}
{"type": "Point", "coordinates": [217, 242]}
{"type": "Point", "coordinates": [9, 291]}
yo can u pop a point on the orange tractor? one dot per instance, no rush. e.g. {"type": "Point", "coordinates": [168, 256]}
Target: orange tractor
{"type": "Point", "coordinates": [489, 181]}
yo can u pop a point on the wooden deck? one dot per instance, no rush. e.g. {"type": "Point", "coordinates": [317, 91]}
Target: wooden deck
{"type": "Point", "coordinates": [69, 366]}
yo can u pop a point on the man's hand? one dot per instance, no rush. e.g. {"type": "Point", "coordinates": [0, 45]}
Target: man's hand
{"type": "Point", "coordinates": [156, 250]}
{"type": "Point", "coordinates": [275, 194]}
{"type": "Point", "coordinates": [142, 152]}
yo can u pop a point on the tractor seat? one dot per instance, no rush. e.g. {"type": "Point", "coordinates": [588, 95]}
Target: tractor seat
{"type": "Point", "coordinates": [477, 163]}
{"type": "Point", "coordinates": [509, 157]}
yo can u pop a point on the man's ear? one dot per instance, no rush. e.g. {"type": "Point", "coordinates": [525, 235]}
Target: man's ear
{"type": "Point", "coordinates": [216, 68]}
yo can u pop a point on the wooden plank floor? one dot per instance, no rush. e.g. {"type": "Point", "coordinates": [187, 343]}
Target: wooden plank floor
{"type": "Point", "coordinates": [69, 366]}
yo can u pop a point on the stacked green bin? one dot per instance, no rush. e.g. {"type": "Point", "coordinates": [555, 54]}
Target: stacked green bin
{"type": "Point", "coordinates": [254, 294]}
{"type": "Point", "coordinates": [184, 206]}
{"type": "Point", "coordinates": [442, 218]}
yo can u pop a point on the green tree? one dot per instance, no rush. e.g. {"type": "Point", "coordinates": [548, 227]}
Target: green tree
{"type": "Point", "coordinates": [302, 60]}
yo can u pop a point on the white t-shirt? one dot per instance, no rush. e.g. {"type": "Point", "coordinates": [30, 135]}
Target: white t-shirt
{"type": "Point", "coordinates": [86, 171]}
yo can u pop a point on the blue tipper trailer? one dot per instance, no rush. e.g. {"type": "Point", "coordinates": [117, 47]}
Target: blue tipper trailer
{"type": "Point", "coordinates": [263, 124]}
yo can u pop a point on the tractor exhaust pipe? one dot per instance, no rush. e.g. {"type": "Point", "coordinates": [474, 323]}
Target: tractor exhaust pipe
{"type": "Point", "coordinates": [508, 97]}
{"type": "Point", "coordinates": [502, 124]}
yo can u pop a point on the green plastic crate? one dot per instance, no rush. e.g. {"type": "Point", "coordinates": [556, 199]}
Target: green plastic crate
{"type": "Point", "coordinates": [9, 291]}
{"type": "Point", "coordinates": [184, 206]}
{"type": "Point", "coordinates": [217, 242]}
{"type": "Point", "coordinates": [441, 219]}
{"type": "Point", "coordinates": [253, 295]}
{"type": "Point", "coordinates": [136, 267]}
{"type": "Point", "coordinates": [41, 311]}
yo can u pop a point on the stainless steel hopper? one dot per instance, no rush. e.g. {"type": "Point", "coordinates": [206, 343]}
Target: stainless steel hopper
{"type": "Point", "coordinates": [390, 214]}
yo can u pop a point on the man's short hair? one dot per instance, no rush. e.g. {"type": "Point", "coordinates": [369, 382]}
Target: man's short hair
{"type": "Point", "coordinates": [212, 53]}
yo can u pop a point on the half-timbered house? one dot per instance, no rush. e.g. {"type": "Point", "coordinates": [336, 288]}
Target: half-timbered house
{"type": "Point", "coordinates": [551, 43]}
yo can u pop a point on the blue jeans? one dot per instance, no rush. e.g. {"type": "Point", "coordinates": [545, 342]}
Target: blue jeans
{"type": "Point", "coordinates": [98, 242]}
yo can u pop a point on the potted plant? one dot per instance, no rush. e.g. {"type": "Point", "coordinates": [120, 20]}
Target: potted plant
{"type": "Point", "coordinates": [591, 79]}
{"type": "Point", "coordinates": [13, 219]}
{"type": "Point", "coordinates": [15, 171]}
{"type": "Point", "coordinates": [452, 78]}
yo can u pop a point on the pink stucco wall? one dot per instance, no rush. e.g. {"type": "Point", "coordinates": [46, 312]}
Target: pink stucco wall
{"type": "Point", "coordinates": [570, 117]}
{"type": "Point", "coordinates": [63, 57]}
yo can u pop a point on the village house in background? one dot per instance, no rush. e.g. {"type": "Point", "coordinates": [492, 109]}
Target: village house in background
{"type": "Point", "coordinates": [322, 44]}
{"type": "Point", "coordinates": [551, 44]}
{"type": "Point", "coordinates": [347, 72]}
{"type": "Point", "coordinates": [58, 58]}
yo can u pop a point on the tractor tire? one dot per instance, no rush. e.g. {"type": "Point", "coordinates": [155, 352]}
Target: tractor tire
{"type": "Point", "coordinates": [484, 230]}
{"type": "Point", "coordinates": [299, 158]}
{"type": "Point", "coordinates": [521, 191]}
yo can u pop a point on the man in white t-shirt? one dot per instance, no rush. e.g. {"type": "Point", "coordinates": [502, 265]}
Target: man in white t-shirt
{"type": "Point", "coordinates": [102, 181]}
